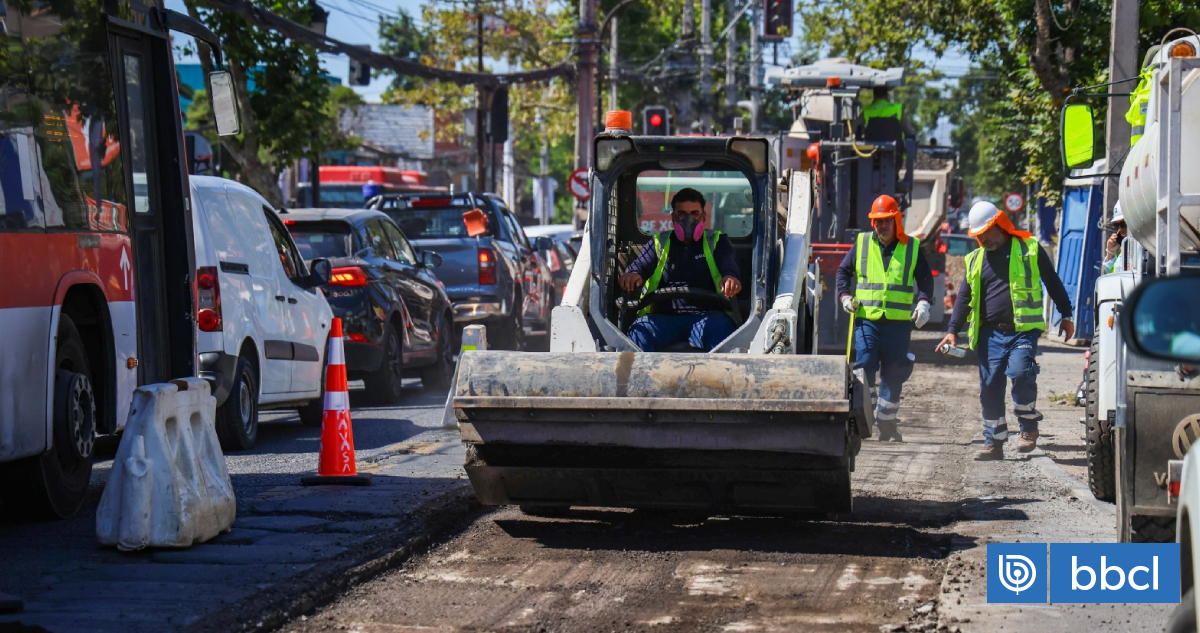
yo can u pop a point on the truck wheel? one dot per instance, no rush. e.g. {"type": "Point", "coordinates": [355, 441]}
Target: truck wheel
{"type": "Point", "coordinates": [386, 383]}
{"type": "Point", "coordinates": [1183, 618]}
{"type": "Point", "coordinates": [52, 485]}
{"type": "Point", "coordinates": [313, 413]}
{"type": "Point", "coordinates": [441, 372]}
{"type": "Point", "coordinates": [237, 419]}
{"type": "Point", "coordinates": [1151, 529]}
{"type": "Point", "coordinates": [1101, 464]}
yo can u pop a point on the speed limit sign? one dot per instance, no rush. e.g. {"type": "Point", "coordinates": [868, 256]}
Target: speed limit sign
{"type": "Point", "coordinates": [1014, 202]}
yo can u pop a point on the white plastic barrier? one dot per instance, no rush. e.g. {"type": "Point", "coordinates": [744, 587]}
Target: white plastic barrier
{"type": "Point", "coordinates": [474, 337]}
{"type": "Point", "coordinates": [169, 486]}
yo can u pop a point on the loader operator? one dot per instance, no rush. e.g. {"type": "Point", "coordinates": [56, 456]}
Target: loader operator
{"type": "Point", "coordinates": [890, 273]}
{"type": "Point", "coordinates": [882, 107]}
{"type": "Point", "coordinates": [687, 256]}
{"type": "Point", "coordinates": [1000, 304]}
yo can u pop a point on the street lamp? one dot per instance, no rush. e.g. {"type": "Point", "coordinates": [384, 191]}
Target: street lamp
{"type": "Point", "coordinates": [319, 18]}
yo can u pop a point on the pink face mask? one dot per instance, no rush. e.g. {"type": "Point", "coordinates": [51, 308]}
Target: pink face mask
{"type": "Point", "coordinates": [689, 225]}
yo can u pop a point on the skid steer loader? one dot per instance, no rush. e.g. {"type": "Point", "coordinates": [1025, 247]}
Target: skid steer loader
{"type": "Point", "coordinates": [758, 426]}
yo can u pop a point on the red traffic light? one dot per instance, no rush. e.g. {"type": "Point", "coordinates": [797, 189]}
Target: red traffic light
{"type": "Point", "coordinates": [656, 120]}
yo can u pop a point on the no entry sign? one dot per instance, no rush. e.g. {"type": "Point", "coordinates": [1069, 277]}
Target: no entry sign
{"type": "Point", "coordinates": [578, 186]}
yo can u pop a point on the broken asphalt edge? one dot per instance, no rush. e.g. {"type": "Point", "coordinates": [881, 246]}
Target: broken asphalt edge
{"type": "Point", "coordinates": [304, 593]}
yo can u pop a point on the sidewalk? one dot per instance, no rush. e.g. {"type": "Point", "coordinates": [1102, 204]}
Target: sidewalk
{"type": "Point", "coordinates": [290, 548]}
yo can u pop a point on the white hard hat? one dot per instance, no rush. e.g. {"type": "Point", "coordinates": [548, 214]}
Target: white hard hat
{"type": "Point", "coordinates": [1117, 216]}
{"type": "Point", "coordinates": [980, 217]}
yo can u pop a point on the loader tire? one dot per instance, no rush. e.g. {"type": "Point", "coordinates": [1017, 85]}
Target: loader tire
{"type": "Point", "coordinates": [1101, 462]}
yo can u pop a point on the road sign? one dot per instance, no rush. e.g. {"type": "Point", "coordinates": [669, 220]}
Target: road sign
{"type": "Point", "coordinates": [578, 186]}
{"type": "Point", "coordinates": [1014, 202]}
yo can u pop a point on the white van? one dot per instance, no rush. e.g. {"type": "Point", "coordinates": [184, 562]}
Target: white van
{"type": "Point", "coordinates": [262, 322]}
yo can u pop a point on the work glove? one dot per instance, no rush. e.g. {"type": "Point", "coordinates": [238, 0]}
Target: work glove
{"type": "Point", "coordinates": [849, 304]}
{"type": "Point", "coordinates": [920, 314]}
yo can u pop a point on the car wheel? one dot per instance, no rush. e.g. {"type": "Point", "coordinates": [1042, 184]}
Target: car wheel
{"type": "Point", "coordinates": [441, 372]}
{"type": "Point", "coordinates": [237, 418]}
{"type": "Point", "coordinates": [313, 413]}
{"type": "Point", "coordinates": [510, 333]}
{"type": "Point", "coordinates": [53, 485]}
{"type": "Point", "coordinates": [385, 384]}
{"type": "Point", "coordinates": [1183, 618]}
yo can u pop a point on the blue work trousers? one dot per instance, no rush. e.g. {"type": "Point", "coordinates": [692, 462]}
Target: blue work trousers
{"type": "Point", "coordinates": [881, 347]}
{"type": "Point", "coordinates": [655, 332]}
{"type": "Point", "coordinates": [1003, 356]}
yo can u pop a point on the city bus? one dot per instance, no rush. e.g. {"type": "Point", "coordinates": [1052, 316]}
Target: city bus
{"type": "Point", "coordinates": [342, 185]}
{"type": "Point", "coordinates": [96, 256]}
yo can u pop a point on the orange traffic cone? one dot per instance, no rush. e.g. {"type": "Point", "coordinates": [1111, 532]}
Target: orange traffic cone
{"type": "Point", "coordinates": [336, 464]}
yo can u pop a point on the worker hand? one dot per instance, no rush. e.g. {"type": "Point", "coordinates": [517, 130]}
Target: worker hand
{"type": "Point", "coordinates": [731, 286]}
{"type": "Point", "coordinates": [1113, 245]}
{"type": "Point", "coordinates": [849, 305]}
{"type": "Point", "coordinates": [948, 339]}
{"type": "Point", "coordinates": [630, 282]}
{"type": "Point", "coordinates": [920, 314]}
{"type": "Point", "coordinates": [1066, 329]}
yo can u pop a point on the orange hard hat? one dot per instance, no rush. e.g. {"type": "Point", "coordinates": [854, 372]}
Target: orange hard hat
{"type": "Point", "coordinates": [884, 207]}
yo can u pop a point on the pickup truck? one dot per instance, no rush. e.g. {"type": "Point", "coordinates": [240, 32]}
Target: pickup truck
{"type": "Point", "coordinates": [496, 279]}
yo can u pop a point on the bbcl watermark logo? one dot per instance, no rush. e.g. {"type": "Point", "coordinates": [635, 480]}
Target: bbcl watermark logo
{"type": "Point", "coordinates": [1083, 573]}
{"type": "Point", "coordinates": [1016, 572]}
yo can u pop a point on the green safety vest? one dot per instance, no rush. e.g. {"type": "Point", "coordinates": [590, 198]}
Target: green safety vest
{"type": "Point", "coordinates": [662, 246]}
{"type": "Point", "coordinates": [884, 293]}
{"type": "Point", "coordinates": [1024, 285]}
{"type": "Point", "coordinates": [882, 108]}
{"type": "Point", "coordinates": [1139, 102]}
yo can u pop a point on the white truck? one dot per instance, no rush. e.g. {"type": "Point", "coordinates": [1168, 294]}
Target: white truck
{"type": "Point", "coordinates": [1142, 410]}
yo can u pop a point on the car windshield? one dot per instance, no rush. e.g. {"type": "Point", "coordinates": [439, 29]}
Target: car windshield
{"type": "Point", "coordinates": [425, 223]}
{"type": "Point", "coordinates": [321, 239]}
{"type": "Point", "coordinates": [728, 195]}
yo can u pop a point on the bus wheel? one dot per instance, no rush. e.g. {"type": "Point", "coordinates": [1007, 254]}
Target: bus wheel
{"type": "Point", "coordinates": [53, 485]}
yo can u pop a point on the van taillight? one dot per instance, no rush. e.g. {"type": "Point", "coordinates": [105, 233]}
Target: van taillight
{"type": "Point", "coordinates": [487, 267]}
{"type": "Point", "coordinates": [351, 276]}
{"type": "Point", "coordinates": [208, 299]}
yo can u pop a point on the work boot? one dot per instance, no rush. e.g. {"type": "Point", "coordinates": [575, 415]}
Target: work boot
{"type": "Point", "coordinates": [990, 452]}
{"type": "Point", "coordinates": [888, 432]}
{"type": "Point", "coordinates": [1028, 441]}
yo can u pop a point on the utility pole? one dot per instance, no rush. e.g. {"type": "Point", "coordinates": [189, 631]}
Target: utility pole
{"type": "Point", "coordinates": [755, 65]}
{"type": "Point", "coordinates": [547, 214]}
{"type": "Point", "coordinates": [680, 68]}
{"type": "Point", "coordinates": [480, 102]}
{"type": "Point", "coordinates": [730, 59]}
{"type": "Point", "coordinates": [1123, 63]}
{"type": "Point", "coordinates": [613, 69]}
{"type": "Point", "coordinates": [586, 90]}
{"type": "Point", "coordinates": [706, 60]}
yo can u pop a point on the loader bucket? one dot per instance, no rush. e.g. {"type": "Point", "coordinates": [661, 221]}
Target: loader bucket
{"type": "Point", "coordinates": [727, 433]}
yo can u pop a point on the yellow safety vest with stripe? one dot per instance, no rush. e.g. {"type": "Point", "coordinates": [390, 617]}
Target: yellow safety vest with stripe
{"type": "Point", "coordinates": [885, 293]}
{"type": "Point", "coordinates": [882, 108]}
{"type": "Point", "coordinates": [1139, 102]}
{"type": "Point", "coordinates": [1024, 285]}
{"type": "Point", "coordinates": [662, 246]}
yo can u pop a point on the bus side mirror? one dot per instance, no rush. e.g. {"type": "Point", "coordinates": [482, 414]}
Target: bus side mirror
{"type": "Point", "coordinates": [1078, 136]}
{"type": "Point", "coordinates": [224, 103]}
{"type": "Point", "coordinates": [1159, 319]}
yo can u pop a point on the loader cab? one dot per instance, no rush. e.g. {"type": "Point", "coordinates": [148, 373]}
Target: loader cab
{"type": "Point", "coordinates": [633, 183]}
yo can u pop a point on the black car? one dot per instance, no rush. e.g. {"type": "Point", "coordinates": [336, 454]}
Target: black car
{"type": "Point", "coordinates": [396, 317]}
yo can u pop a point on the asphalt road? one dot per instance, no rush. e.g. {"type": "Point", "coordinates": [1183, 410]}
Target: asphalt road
{"type": "Point", "coordinates": [910, 557]}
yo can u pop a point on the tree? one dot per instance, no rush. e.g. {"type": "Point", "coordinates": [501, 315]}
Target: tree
{"type": "Point", "coordinates": [280, 91]}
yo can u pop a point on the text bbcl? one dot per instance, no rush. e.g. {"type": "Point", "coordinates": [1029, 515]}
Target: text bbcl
{"type": "Point", "coordinates": [1083, 572]}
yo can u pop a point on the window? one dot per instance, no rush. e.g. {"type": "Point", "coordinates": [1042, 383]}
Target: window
{"type": "Point", "coordinates": [728, 196]}
{"type": "Point", "coordinates": [283, 246]}
{"type": "Point", "coordinates": [425, 223]}
{"type": "Point", "coordinates": [403, 249]}
{"type": "Point", "coordinates": [514, 227]}
{"type": "Point", "coordinates": [326, 240]}
{"type": "Point", "coordinates": [376, 238]}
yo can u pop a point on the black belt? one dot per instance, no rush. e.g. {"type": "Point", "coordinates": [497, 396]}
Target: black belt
{"type": "Point", "coordinates": [1003, 327]}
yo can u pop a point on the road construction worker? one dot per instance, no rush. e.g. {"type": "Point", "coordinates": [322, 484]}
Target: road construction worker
{"type": "Point", "coordinates": [893, 286]}
{"type": "Point", "coordinates": [1139, 102]}
{"type": "Point", "coordinates": [1000, 305]}
{"type": "Point", "coordinates": [881, 106]}
{"type": "Point", "coordinates": [687, 256]}
{"type": "Point", "coordinates": [1114, 250]}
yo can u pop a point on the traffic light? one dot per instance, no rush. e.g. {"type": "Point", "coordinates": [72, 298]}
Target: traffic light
{"type": "Point", "coordinates": [360, 73]}
{"type": "Point", "coordinates": [497, 122]}
{"type": "Point", "coordinates": [656, 121]}
{"type": "Point", "coordinates": [777, 19]}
